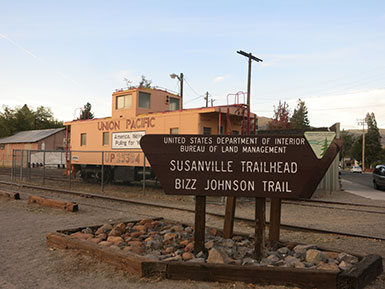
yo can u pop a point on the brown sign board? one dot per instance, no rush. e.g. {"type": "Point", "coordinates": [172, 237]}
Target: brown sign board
{"type": "Point", "coordinates": [283, 166]}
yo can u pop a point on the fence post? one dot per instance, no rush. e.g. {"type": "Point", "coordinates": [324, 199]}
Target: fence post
{"type": "Point", "coordinates": [13, 166]}
{"type": "Point", "coordinates": [43, 167]}
{"type": "Point", "coordinates": [144, 173]}
{"type": "Point", "coordinates": [102, 172]}
{"type": "Point", "coordinates": [29, 157]}
{"type": "Point", "coordinates": [21, 165]}
{"type": "Point", "coordinates": [70, 168]}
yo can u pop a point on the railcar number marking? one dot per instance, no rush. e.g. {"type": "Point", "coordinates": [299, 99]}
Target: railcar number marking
{"type": "Point", "coordinates": [122, 158]}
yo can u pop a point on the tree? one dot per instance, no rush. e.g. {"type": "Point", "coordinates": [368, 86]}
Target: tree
{"type": "Point", "coordinates": [281, 117]}
{"type": "Point", "coordinates": [349, 140]}
{"type": "Point", "coordinates": [7, 121]}
{"type": "Point", "coordinates": [373, 150]}
{"type": "Point", "coordinates": [44, 119]}
{"type": "Point", "coordinates": [25, 118]}
{"type": "Point", "coordinates": [299, 118]}
{"type": "Point", "coordinates": [372, 141]}
{"type": "Point", "coordinates": [86, 112]}
{"type": "Point", "coordinates": [144, 83]}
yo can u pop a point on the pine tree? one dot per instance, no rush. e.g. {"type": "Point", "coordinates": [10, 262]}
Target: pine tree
{"type": "Point", "coordinates": [372, 140]}
{"type": "Point", "coordinates": [86, 112]}
{"type": "Point", "coordinates": [300, 119]}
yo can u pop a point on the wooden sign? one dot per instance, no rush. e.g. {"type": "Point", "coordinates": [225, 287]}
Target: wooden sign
{"type": "Point", "coordinates": [276, 166]}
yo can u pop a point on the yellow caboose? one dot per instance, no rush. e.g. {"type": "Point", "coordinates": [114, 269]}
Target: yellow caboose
{"type": "Point", "coordinates": [111, 144]}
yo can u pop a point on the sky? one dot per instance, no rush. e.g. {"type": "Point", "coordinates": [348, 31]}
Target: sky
{"type": "Point", "coordinates": [329, 54]}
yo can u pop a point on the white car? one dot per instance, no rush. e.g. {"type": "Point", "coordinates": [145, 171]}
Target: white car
{"type": "Point", "coordinates": [356, 169]}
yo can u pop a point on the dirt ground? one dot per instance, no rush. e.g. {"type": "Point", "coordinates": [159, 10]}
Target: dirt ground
{"type": "Point", "coordinates": [26, 262]}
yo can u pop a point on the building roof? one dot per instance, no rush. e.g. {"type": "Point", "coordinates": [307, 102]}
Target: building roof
{"type": "Point", "coordinates": [30, 136]}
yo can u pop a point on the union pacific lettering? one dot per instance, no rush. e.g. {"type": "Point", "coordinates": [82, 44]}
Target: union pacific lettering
{"type": "Point", "coordinates": [142, 122]}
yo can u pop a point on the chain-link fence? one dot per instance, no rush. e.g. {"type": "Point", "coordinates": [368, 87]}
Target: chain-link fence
{"type": "Point", "coordinates": [77, 169]}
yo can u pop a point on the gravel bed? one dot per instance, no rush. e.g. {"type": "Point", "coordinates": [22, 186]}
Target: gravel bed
{"type": "Point", "coordinates": [28, 263]}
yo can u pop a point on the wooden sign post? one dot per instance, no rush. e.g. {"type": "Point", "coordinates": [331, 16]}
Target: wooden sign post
{"type": "Point", "coordinates": [200, 224]}
{"type": "Point", "coordinates": [284, 166]}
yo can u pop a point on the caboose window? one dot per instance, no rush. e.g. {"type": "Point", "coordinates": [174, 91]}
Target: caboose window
{"type": "Point", "coordinates": [83, 139]}
{"type": "Point", "coordinates": [206, 130]}
{"type": "Point", "coordinates": [123, 101]}
{"type": "Point", "coordinates": [174, 103]}
{"type": "Point", "coordinates": [174, 130]}
{"type": "Point", "coordinates": [144, 99]}
{"type": "Point", "coordinates": [106, 138]}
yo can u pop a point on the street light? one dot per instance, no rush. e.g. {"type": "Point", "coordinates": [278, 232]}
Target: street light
{"type": "Point", "coordinates": [180, 78]}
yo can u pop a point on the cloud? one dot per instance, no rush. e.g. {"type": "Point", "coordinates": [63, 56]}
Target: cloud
{"type": "Point", "coordinates": [346, 108]}
{"type": "Point", "coordinates": [219, 78]}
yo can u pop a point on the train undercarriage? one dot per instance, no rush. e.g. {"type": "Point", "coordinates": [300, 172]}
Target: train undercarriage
{"type": "Point", "coordinates": [113, 174]}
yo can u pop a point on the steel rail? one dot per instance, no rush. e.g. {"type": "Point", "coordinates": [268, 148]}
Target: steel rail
{"type": "Point", "coordinates": [150, 204]}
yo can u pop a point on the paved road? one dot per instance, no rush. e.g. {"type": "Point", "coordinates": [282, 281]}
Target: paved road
{"type": "Point", "coordinates": [361, 185]}
{"type": "Point", "coordinates": [362, 179]}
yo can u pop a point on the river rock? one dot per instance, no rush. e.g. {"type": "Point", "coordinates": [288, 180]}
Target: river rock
{"type": "Point", "coordinates": [218, 256]}
{"type": "Point", "coordinates": [115, 240]}
{"type": "Point", "coordinates": [345, 265]}
{"type": "Point", "coordinates": [106, 228]}
{"type": "Point", "coordinates": [315, 256]}
{"type": "Point", "coordinates": [347, 258]}
{"type": "Point", "coordinates": [228, 243]}
{"type": "Point", "coordinates": [303, 248]}
{"type": "Point", "coordinates": [328, 266]}
{"type": "Point", "coordinates": [87, 230]}
{"type": "Point", "coordinates": [186, 256]}
{"type": "Point", "coordinates": [105, 244]}
{"type": "Point", "coordinates": [283, 251]}
{"type": "Point", "coordinates": [174, 258]}
{"type": "Point", "coordinates": [82, 236]}
{"type": "Point", "coordinates": [145, 221]}
{"type": "Point", "coordinates": [116, 231]}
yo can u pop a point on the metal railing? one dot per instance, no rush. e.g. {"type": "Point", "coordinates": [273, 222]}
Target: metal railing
{"type": "Point", "coordinates": [62, 166]}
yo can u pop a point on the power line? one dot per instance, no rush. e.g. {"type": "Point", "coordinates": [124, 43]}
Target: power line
{"type": "Point", "coordinates": [191, 87]}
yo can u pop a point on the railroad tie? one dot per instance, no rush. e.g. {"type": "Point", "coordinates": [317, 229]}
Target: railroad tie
{"type": "Point", "coordinates": [68, 206]}
{"type": "Point", "coordinates": [10, 195]}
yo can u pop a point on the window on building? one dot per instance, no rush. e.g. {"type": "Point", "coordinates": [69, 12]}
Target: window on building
{"type": "Point", "coordinates": [2, 146]}
{"type": "Point", "coordinates": [235, 132]}
{"type": "Point", "coordinates": [174, 130]}
{"type": "Point", "coordinates": [222, 129]}
{"type": "Point", "coordinates": [106, 138]}
{"type": "Point", "coordinates": [124, 101]}
{"type": "Point", "coordinates": [144, 99]}
{"type": "Point", "coordinates": [207, 130]}
{"type": "Point", "coordinates": [174, 103]}
{"type": "Point", "coordinates": [83, 139]}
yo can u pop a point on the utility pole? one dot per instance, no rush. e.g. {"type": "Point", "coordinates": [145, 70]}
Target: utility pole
{"type": "Point", "coordinates": [207, 99]}
{"type": "Point", "coordinates": [363, 122]}
{"type": "Point", "coordinates": [250, 57]}
{"type": "Point", "coordinates": [212, 102]}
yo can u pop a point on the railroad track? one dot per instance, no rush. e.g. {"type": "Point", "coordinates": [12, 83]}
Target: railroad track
{"type": "Point", "coordinates": [248, 221]}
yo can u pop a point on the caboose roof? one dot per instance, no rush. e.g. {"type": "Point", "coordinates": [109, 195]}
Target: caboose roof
{"type": "Point", "coordinates": [30, 136]}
